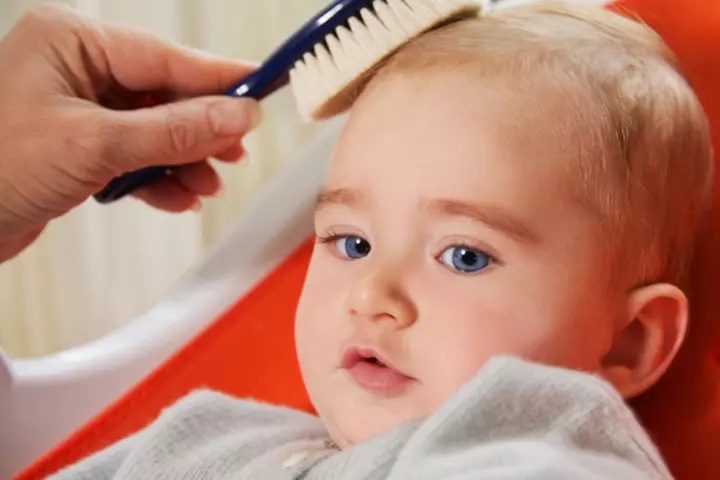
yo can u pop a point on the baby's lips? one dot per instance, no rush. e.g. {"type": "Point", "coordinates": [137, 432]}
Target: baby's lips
{"type": "Point", "coordinates": [355, 355]}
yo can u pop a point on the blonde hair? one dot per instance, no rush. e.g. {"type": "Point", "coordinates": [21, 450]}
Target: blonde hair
{"type": "Point", "coordinates": [644, 166]}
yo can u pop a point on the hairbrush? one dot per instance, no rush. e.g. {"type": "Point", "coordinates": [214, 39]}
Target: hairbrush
{"type": "Point", "coordinates": [342, 42]}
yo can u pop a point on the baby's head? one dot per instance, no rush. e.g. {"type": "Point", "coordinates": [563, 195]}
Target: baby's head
{"type": "Point", "coordinates": [529, 183]}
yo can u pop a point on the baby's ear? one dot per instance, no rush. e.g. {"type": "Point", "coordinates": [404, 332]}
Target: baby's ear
{"type": "Point", "coordinates": [647, 338]}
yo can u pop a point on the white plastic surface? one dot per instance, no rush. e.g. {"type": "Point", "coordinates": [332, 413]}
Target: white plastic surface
{"type": "Point", "coordinates": [44, 400]}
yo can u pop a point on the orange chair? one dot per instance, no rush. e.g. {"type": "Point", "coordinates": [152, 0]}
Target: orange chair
{"type": "Point", "coordinates": [249, 350]}
{"type": "Point", "coordinates": [683, 410]}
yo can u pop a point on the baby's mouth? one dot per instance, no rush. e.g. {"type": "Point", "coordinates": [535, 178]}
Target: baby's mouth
{"type": "Point", "coordinates": [374, 361]}
{"type": "Point", "coordinates": [356, 355]}
{"type": "Point", "coordinates": [373, 372]}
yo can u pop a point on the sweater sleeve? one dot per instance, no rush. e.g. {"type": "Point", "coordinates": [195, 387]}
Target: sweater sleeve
{"type": "Point", "coordinates": [517, 420]}
{"type": "Point", "coordinates": [204, 435]}
{"type": "Point", "coordinates": [99, 466]}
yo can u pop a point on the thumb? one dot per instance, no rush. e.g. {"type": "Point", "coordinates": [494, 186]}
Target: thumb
{"type": "Point", "coordinates": [180, 132]}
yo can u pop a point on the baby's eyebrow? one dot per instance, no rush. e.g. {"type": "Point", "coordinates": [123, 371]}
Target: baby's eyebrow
{"type": "Point", "coordinates": [339, 196]}
{"type": "Point", "coordinates": [495, 217]}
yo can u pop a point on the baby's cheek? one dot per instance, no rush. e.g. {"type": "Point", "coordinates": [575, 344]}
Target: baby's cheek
{"type": "Point", "coordinates": [319, 326]}
{"type": "Point", "coordinates": [445, 361]}
{"type": "Point", "coordinates": [454, 351]}
{"type": "Point", "coordinates": [312, 330]}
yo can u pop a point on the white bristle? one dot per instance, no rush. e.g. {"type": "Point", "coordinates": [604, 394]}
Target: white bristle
{"type": "Point", "coordinates": [405, 17]}
{"type": "Point", "coordinates": [363, 39]}
{"type": "Point", "coordinates": [388, 20]}
{"type": "Point", "coordinates": [324, 74]}
{"type": "Point", "coordinates": [351, 51]}
{"type": "Point", "coordinates": [297, 75]}
{"type": "Point", "coordinates": [424, 11]}
{"type": "Point", "coordinates": [336, 51]}
{"type": "Point", "coordinates": [382, 40]}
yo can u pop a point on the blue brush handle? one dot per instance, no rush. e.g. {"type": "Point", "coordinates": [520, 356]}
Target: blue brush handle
{"type": "Point", "coordinates": [262, 82]}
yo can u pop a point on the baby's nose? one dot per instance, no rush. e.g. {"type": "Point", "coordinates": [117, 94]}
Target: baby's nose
{"type": "Point", "coordinates": [379, 297]}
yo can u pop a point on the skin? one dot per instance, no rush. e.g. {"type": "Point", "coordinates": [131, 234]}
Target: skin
{"type": "Point", "coordinates": [411, 188]}
{"type": "Point", "coordinates": [72, 117]}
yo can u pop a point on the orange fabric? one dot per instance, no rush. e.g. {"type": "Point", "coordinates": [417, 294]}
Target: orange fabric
{"type": "Point", "coordinates": [249, 351]}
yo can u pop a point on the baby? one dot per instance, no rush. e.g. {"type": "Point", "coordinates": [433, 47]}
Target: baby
{"type": "Point", "coordinates": [502, 251]}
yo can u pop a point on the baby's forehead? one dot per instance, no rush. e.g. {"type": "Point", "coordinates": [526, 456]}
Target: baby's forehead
{"type": "Point", "coordinates": [532, 112]}
{"type": "Point", "coordinates": [482, 126]}
{"type": "Point", "coordinates": [535, 95]}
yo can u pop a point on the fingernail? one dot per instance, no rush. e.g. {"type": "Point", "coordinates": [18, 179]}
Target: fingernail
{"type": "Point", "coordinates": [255, 112]}
{"type": "Point", "coordinates": [196, 206]}
{"type": "Point", "coordinates": [234, 116]}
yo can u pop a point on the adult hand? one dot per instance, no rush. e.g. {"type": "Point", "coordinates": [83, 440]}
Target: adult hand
{"type": "Point", "coordinates": [70, 122]}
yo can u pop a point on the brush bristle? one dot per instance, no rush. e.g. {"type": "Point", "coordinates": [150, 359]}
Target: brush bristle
{"type": "Point", "coordinates": [321, 79]}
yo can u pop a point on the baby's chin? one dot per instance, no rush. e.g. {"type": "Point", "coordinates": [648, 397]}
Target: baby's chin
{"type": "Point", "coordinates": [349, 425]}
{"type": "Point", "coordinates": [351, 432]}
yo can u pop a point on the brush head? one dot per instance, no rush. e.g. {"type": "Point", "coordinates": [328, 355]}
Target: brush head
{"type": "Point", "coordinates": [326, 80]}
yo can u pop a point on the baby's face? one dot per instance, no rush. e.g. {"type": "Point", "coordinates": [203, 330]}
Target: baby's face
{"type": "Point", "coordinates": [447, 235]}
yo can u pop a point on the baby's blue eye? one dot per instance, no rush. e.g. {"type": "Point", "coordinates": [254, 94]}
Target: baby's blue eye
{"type": "Point", "coordinates": [352, 247]}
{"type": "Point", "coordinates": [465, 259]}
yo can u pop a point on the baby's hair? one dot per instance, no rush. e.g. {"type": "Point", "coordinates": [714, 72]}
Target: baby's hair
{"type": "Point", "coordinates": [642, 163]}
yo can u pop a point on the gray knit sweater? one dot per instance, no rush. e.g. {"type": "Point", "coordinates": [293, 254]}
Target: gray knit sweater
{"type": "Point", "coordinates": [514, 420]}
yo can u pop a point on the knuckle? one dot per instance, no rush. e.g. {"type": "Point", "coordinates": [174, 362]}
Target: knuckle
{"type": "Point", "coordinates": [181, 137]}
{"type": "Point", "coordinates": [77, 168]}
{"type": "Point", "coordinates": [50, 23]}
{"type": "Point", "coordinates": [108, 145]}
{"type": "Point", "coordinates": [45, 13]}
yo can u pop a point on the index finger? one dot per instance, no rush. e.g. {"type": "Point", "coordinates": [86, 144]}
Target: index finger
{"type": "Point", "coordinates": [139, 60]}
